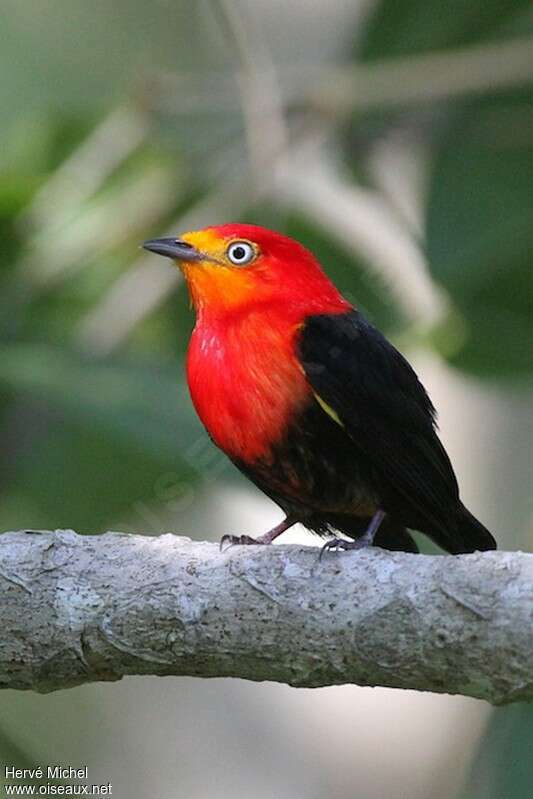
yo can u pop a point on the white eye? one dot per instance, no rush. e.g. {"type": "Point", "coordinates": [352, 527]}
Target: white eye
{"type": "Point", "coordinates": [240, 252]}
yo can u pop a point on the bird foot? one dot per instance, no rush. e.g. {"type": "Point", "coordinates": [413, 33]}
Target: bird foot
{"type": "Point", "coordinates": [337, 544]}
{"type": "Point", "coordinates": [266, 538]}
{"type": "Point", "coordinates": [366, 540]}
{"type": "Point", "coordinates": [243, 540]}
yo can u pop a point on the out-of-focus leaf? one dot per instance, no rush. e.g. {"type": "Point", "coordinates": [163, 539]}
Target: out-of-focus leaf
{"type": "Point", "coordinates": [404, 27]}
{"type": "Point", "coordinates": [89, 441]}
{"type": "Point", "coordinates": [72, 55]}
{"type": "Point", "coordinates": [144, 404]}
{"type": "Point", "coordinates": [77, 475]}
{"type": "Point", "coordinates": [15, 755]}
{"type": "Point", "coordinates": [480, 231]}
{"type": "Point", "coordinates": [503, 768]}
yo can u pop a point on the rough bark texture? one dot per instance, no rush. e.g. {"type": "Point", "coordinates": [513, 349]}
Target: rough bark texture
{"type": "Point", "coordinates": [75, 609]}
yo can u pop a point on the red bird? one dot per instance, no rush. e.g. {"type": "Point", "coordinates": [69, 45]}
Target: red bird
{"type": "Point", "coordinates": [310, 401]}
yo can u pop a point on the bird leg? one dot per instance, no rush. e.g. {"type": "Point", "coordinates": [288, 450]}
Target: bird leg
{"type": "Point", "coordinates": [266, 538]}
{"type": "Point", "coordinates": [366, 540]}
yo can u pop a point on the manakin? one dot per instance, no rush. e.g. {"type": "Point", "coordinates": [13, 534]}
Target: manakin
{"type": "Point", "coordinates": [310, 401]}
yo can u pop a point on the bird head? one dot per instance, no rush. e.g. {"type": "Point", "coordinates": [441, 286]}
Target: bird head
{"type": "Point", "coordinates": [235, 268]}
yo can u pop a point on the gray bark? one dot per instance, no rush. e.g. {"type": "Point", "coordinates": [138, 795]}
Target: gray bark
{"type": "Point", "coordinates": [76, 609]}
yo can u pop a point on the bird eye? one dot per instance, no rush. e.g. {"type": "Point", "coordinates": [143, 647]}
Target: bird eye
{"type": "Point", "coordinates": [240, 252]}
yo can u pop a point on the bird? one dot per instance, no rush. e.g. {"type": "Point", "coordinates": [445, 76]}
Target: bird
{"type": "Point", "coordinates": [310, 401]}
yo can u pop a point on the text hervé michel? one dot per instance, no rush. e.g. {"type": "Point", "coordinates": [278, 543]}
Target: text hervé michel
{"type": "Point", "coordinates": [50, 773]}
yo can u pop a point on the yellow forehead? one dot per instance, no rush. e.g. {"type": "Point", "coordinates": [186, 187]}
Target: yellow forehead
{"type": "Point", "coordinates": [206, 241]}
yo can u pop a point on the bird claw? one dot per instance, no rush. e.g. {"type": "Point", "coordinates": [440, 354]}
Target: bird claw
{"type": "Point", "coordinates": [235, 540]}
{"type": "Point", "coordinates": [337, 544]}
{"type": "Point", "coordinates": [263, 540]}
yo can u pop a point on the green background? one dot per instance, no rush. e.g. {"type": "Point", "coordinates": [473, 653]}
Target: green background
{"type": "Point", "coordinates": [125, 121]}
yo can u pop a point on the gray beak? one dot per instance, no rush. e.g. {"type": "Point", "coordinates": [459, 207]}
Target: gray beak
{"type": "Point", "coordinates": [177, 249]}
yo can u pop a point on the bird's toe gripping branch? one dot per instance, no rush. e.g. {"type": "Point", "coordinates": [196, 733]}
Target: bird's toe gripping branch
{"type": "Point", "coordinates": [266, 538]}
{"type": "Point", "coordinates": [366, 540]}
{"type": "Point", "coordinates": [228, 541]}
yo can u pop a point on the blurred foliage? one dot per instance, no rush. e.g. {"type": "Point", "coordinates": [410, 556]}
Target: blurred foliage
{"type": "Point", "coordinates": [502, 768]}
{"type": "Point", "coordinates": [152, 139]}
{"type": "Point", "coordinates": [480, 230]}
{"type": "Point", "coordinates": [120, 124]}
{"type": "Point", "coordinates": [478, 208]}
{"type": "Point", "coordinates": [406, 27]}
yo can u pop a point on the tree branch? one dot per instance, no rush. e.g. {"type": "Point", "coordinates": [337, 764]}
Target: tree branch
{"type": "Point", "coordinates": [74, 609]}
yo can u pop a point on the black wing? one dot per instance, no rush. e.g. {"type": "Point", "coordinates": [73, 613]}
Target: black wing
{"type": "Point", "coordinates": [389, 417]}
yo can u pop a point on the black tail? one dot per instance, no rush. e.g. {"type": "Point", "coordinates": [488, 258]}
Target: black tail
{"type": "Point", "coordinates": [467, 535]}
{"type": "Point", "coordinates": [471, 535]}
